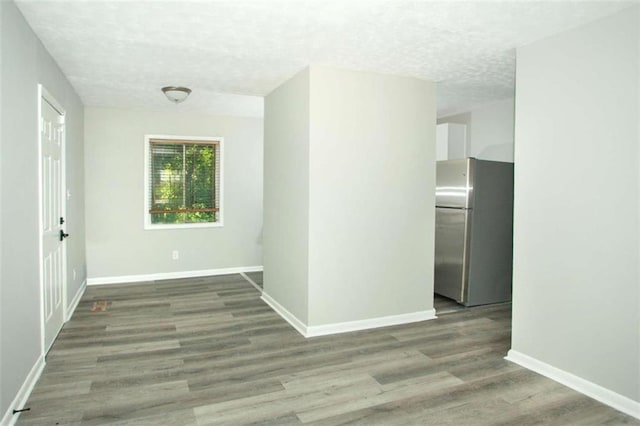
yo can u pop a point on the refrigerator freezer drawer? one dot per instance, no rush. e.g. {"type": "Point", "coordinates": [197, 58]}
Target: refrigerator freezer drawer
{"type": "Point", "coordinates": [450, 279]}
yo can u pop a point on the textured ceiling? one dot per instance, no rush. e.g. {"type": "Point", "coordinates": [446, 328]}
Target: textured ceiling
{"type": "Point", "coordinates": [233, 52]}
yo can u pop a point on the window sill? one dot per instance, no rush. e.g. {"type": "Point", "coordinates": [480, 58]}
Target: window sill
{"type": "Point", "coordinates": [149, 227]}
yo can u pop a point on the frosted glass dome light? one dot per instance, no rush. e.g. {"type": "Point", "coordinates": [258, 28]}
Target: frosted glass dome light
{"type": "Point", "coordinates": [176, 94]}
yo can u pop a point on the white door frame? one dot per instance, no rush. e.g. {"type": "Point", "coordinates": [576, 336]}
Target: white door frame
{"type": "Point", "coordinates": [44, 95]}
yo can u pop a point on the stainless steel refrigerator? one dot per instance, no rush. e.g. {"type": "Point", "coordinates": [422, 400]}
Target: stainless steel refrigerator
{"type": "Point", "coordinates": [474, 231]}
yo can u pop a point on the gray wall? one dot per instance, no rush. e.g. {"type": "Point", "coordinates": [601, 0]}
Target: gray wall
{"type": "Point", "coordinates": [286, 195]}
{"type": "Point", "coordinates": [25, 63]}
{"type": "Point", "coordinates": [3, 397]}
{"type": "Point", "coordinates": [349, 187]}
{"type": "Point", "coordinates": [372, 180]}
{"type": "Point", "coordinates": [576, 255]}
{"type": "Point", "coordinates": [118, 245]}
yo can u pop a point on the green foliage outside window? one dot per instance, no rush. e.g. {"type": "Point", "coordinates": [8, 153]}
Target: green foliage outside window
{"type": "Point", "coordinates": [183, 183]}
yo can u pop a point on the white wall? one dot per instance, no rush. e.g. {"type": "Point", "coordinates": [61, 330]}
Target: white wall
{"type": "Point", "coordinates": [25, 63]}
{"type": "Point", "coordinates": [492, 131]}
{"type": "Point", "coordinates": [489, 130]}
{"type": "Point", "coordinates": [118, 245]}
{"type": "Point", "coordinates": [372, 183]}
{"type": "Point", "coordinates": [3, 397]}
{"type": "Point", "coordinates": [576, 254]}
{"type": "Point", "coordinates": [349, 187]}
{"type": "Point", "coordinates": [286, 195]}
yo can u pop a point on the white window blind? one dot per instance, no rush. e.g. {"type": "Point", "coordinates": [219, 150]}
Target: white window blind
{"type": "Point", "coordinates": [183, 181]}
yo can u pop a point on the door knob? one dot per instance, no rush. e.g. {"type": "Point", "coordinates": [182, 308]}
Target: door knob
{"type": "Point", "coordinates": [63, 235]}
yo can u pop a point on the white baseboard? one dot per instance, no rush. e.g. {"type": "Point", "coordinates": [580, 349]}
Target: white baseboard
{"type": "Point", "coordinates": [170, 275]}
{"type": "Point", "coordinates": [9, 419]}
{"type": "Point", "coordinates": [284, 313]}
{"type": "Point", "coordinates": [597, 392]}
{"type": "Point", "coordinates": [344, 327]}
{"type": "Point", "coordinates": [71, 307]}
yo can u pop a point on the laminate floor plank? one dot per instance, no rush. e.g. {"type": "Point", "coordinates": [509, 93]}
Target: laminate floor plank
{"type": "Point", "coordinates": [208, 350]}
{"type": "Point", "coordinates": [100, 373]}
{"type": "Point", "coordinates": [61, 389]}
{"type": "Point", "coordinates": [179, 417]}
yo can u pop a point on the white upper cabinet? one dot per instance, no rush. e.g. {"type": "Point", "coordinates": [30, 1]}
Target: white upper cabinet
{"type": "Point", "coordinates": [451, 141]}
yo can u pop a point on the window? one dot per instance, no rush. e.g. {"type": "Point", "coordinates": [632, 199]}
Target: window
{"type": "Point", "coordinates": [183, 182]}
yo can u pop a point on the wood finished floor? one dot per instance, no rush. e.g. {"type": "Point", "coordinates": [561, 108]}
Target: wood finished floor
{"type": "Point", "coordinates": [255, 277]}
{"type": "Point", "coordinates": [443, 305]}
{"type": "Point", "coordinates": [209, 351]}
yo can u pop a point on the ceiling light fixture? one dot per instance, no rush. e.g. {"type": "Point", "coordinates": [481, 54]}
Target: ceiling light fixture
{"type": "Point", "coordinates": [176, 94]}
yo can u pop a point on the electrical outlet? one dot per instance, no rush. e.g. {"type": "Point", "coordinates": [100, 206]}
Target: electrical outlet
{"type": "Point", "coordinates": [175, 255]}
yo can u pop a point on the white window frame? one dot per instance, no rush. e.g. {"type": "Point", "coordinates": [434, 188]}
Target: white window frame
{"type": "Point", "coordinates": [147, 217]}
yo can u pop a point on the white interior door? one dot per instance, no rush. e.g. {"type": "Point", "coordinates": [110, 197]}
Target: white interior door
{"type": "Point", "coordinates": [53, 276]}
